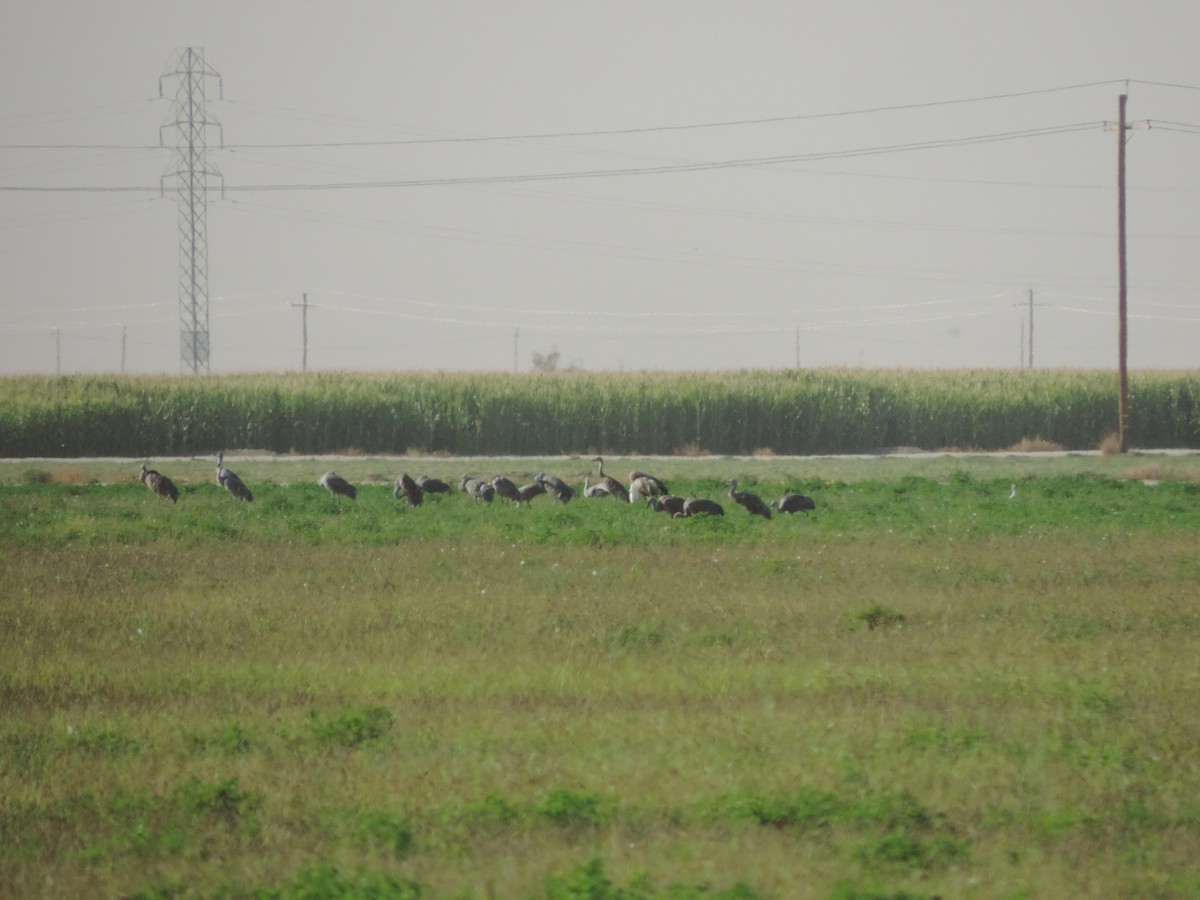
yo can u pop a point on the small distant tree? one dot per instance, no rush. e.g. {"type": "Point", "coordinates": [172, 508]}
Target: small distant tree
{"type": "Point", "coordinates": [547, 362]}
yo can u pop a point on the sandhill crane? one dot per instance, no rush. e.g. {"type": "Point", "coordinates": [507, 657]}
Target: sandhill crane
{"type": "Point", "coordinates": [432, 485]}
{"type": "Point", "coordinates": [231, 482]}
{"type": "Point", "coordinates": [794, 503]}
{"type": "Point", "coordinates": [666, 503]}
{"type": "Point", "coordinates": [337, 485]}
{"type": "Point", "coordinates": [527, 492]}
{"type": "Point", "coordinates": [556, 487]}
{"type": "Point", "coordinates": [642, 487]}
{"type": "Point", "coordinates": [752, 503]}
{"type": "Point", "coordinates": [482, 491]}
{"type": "Point", "coordinates": [611, 484]}
{"type": "Point", "coordinates": [159, 483]}
{"type": "Point", "coordinates": [699, 506]}
{"type": "Point", "coordinates": [506, 488]}
{"type": "Point", "coordinates": [599, 489]}
{"type": "Point", "coordinates": [409, 490]}
{"type": "Point", "coordinates": [646, 484]}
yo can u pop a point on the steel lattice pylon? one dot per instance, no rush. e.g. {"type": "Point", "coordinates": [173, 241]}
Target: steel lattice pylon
{"type": "Point", "coordinates": [191, 170]}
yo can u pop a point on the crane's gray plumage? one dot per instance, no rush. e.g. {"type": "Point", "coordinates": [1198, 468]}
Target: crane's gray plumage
{"type": "Point", "coordinates": [666, 503]}
{"type": "Point", "coordinates": [231, 482]}
{"type": "Point", "coordinates": [611, 484]}
{"type": "Point", "coordinates": [407, 489]}
{"type": "Point", "coordinates": [700, 506]}
{"type": "Point", "coordinates": [599, 489]}
{"type": "Point", "coordinates": [337, 485]}
{"type": "Point", "coordinates": [556, 487]}
{"type": "Point", "coordinates": [527, 492]}
{"type": "Point", "coordinates": [432, 485]}
{"type": "Point", "coordinates": [159, 483]}
{"type": "Point", "coordinates": [482, 491]}
{"type": "Point", "coordinates": [646, 485]}
{"type": "Point", "coordinates": [794, 503]}
{"type": "Point", "coordinates": [752, 503]}
{"type": "Point", "coordinates": [506, 488]}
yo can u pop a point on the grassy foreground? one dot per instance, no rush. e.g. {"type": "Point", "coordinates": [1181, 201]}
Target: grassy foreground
{"type": "Point", "coordinates": [921, 689]}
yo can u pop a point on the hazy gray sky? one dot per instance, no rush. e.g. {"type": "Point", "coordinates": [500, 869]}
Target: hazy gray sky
{"type": "Point", "coordinates": [639, 185]}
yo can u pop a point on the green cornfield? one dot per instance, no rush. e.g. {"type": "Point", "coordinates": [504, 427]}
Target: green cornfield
{"type": "Point", "coordinates": [737, 412]}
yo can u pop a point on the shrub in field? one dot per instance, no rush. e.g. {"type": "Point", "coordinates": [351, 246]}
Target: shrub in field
{"type": "Point", "coordinates": [878, 616]}
{"type": "Point", "coordinates": [589, 882]}
{"type": "Point", "coordinates": [384, 830]}
{"type": "Point", "coordinates": [566, 807]}
{"type": "Point", "coordinates": [354, 727]}
{"type": "Point", "coordinates": [326, 882]}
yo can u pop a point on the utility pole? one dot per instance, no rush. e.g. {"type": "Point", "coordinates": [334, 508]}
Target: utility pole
{"type": "Point", "coordinates": [303, 331]}
{"type": "Point", "coordinates": [1122, 333]}
{"type": "Point", "coordinates": [1031, 328]}
{"type": "Point", "coordinates": [191, 170]}
{"type": "Point", "coordinates": [1031, 305]}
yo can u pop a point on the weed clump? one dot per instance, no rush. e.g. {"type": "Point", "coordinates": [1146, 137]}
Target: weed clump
{"type": "Point", "coordinates": [354, 727]}
{"type": "Point", "coordinates": [879, 616]}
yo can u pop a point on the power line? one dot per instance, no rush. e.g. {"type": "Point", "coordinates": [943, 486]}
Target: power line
{"type": "Point", "coordinates": [746, 162]}
{"type": "Point", "coordinates": [547, 135]}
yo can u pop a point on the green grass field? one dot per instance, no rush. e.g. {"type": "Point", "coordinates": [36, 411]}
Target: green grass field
{"type": "Point", "coordinates": [921, 689]}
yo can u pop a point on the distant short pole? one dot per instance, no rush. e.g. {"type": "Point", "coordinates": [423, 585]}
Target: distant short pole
{"type": "Point", "coordinates": [1122, 280]}
{"type": "Point", "coordinates": [303, 307]}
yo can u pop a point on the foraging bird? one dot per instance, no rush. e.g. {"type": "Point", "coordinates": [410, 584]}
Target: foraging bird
{"type": "Point", "coordinates": [409, 490]}
{"type": "Point", "coordinates": [794, 503]}
{"type": "Point", "coordinates": [336, 484]}
{"type": "Point", "coordinates": [506, 488]}
{"type": "Point", "coordinates": [432, 485]}
{"type": "Point", "coordinates": [482, 491]}
{"type": "Point", "coordinates": [527, 492]}
{"type": "Point", "coordinates": [752, 503]}
{"type": "Point", "coordinates": [555, 486]}
{"type": "Point", "coordinates": [666, 503]}
{"type": "Point", "coordinates": [611, 484]}
{"type": "Point", "coordinates": [159, 483]}
{"type": "Point", "coordinates": [646, 485]}
{"type": "Point", "coordinates": [231, 482]}
{"type": "Point", "coordinates": [595, 490]}
{"type": "Point", "coordinates": [1012, 494]}
{"type": "Point", "coordinates": [699, 506]}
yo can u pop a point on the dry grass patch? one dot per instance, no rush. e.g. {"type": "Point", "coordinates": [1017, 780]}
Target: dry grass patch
{"type": "Point", "coordinates": [1036, 445]}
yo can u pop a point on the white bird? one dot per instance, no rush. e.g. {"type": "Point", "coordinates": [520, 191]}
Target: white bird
{"type": "Point", "coordinates": [1012, 492]}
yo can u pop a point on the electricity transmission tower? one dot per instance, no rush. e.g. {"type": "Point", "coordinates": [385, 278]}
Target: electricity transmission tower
{"type": "Point", "coordinates": [191, 170]}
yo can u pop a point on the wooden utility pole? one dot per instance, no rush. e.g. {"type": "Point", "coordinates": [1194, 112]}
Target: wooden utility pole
{"type": "Point", "coordinates": [1031, 305]}
{"type": "Point", "coordinates": [1031, 328]}
{"type": "Point", "coordinates": [303, 307]}
{"type": "Point", "coordinates": [1122, 333]}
